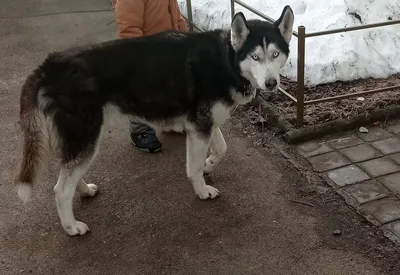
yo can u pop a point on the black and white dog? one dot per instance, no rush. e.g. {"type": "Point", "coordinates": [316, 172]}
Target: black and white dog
{"type": "Point", "coordinates": [170, 81]}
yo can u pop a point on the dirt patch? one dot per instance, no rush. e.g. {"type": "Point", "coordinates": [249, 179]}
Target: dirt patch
{"type": "Point", "coordinates": [339, 109]}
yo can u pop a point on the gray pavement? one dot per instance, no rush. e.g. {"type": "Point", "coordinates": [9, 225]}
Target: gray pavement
{"type": "Point", "coordinates": [365, 169]}
{"type": "Point", "coordinates": [146, 218]}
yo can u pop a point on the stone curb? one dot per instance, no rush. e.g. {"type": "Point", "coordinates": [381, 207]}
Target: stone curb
{"type": "Point", "coordinates": [293, 135]}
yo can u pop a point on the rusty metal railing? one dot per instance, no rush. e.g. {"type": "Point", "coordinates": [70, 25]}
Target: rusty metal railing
{"type": "Point", "coordinates": [189, 17]}
{"type": "Point", "coordinates": [301, 35]}
{"type": "Point", "coordinates": [300, 69]}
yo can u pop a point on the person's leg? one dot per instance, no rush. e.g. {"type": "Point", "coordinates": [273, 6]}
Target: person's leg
{"type": "Point", "coordinates": [144, 137]}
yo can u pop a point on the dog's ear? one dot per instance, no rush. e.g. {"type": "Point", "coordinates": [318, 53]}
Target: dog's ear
{"type": "Point", "coordinates": [239, 31]}
{"type": "Point", "coordinates": [285, 23]}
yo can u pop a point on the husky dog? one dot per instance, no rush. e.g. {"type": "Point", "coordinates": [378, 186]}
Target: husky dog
{"type": "Point", "coordinates": [171, 81]}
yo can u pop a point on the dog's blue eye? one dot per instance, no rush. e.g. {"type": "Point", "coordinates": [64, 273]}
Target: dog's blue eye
{"type": "Point", "coordinates": [255, 57]}
{"type": "Point", "coordinates": [275, 54]}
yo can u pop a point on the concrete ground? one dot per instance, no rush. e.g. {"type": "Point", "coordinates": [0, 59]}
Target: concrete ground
{"type": "Point", "coordinates": [146, 219]}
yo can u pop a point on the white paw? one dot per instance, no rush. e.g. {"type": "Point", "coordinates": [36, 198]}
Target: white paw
{"type": "Point", "coordinates": [207, 192]}
{"type": "Point", "coordinates": [209, 166]}
{"type": "Point", "coordinates": [91, 191]}
{"type": "Point", "coordinates": [78, 228]}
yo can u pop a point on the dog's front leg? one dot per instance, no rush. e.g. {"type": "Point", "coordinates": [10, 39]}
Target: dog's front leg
{"type": "Point", "coordinates": [197, 145]}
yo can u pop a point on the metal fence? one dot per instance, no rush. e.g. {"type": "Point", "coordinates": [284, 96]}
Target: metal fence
{"type": "Point", "coordinates": [301, 36]}
{"type": "Point", "coordinates": [189, 18]}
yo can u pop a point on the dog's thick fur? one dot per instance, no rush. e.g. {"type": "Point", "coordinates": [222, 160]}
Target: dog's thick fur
{"type": "Point", "coordinates": [171, 81]}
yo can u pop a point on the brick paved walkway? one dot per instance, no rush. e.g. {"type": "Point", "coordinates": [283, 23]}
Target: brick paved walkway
{"type": "Point", "coordinates": [365, 169]}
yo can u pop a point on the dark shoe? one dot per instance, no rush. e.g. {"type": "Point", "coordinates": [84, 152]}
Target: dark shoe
{"type": "Point", "coordinates": [146, 142]}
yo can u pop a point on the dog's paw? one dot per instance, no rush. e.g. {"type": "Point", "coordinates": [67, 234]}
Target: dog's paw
{"type": "Point", "coordinates": [208, 192]}
{"type": "Point", "coordinates": [209, 166]}
{"type": "Point", "coordinates": [78, 228]}
{"type": "Point", "coordinates": [90, 191]}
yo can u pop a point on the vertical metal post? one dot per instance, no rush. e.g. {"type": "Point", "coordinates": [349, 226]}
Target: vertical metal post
{"type": "Point", "coordinates": [189, 14]}
{"type": "Point", "coordinates": [232, 9]}
{"type": "Point", "coordinates": [300, 74]}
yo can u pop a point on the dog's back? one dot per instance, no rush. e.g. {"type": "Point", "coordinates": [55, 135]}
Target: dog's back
{"type": "Point", "coordinates": [158, 78]}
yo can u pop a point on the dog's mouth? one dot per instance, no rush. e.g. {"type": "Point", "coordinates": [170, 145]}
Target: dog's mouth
{"type": "Point", "coordinates": [269, 90]}
{"type": "Point", "coordinates": [268, 86]}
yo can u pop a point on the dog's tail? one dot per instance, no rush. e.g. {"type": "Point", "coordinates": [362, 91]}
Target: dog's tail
{"type": "Point", "coordinates": [35, 142]}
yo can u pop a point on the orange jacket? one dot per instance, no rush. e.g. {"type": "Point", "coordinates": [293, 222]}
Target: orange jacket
{"type": "Point", "coordinates": [145, 17]}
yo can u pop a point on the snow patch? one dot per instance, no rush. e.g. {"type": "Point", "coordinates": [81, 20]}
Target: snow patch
{"type": "Point", "coordinates": [343, 56]}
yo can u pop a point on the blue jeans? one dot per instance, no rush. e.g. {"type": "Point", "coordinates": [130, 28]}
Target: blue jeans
{"type": "Point", "coordinates": [139, 128]}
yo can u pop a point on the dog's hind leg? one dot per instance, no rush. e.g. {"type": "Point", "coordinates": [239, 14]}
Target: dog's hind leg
{"type": "Point", "coordinates": [69, 181]}
{"type": "Point", "coordinates": [218, 150]}
{"type": "Point", "coordinates": [196, 152]}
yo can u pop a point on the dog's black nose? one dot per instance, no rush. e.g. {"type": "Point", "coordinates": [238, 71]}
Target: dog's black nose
{"type": "Point", "coordinates": [271, 84]}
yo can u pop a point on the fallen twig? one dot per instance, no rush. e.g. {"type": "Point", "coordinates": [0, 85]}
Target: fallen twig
{"type": "Point", "coordinates": [385, 119]}
{"type": "Point", "coordinates": [334, 140]}
{"type": "Point", "coordinates": [302, 202]}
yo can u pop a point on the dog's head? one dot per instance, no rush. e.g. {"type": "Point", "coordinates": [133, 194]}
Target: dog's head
{"type": "Point", "coordinates": [262, 48]}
